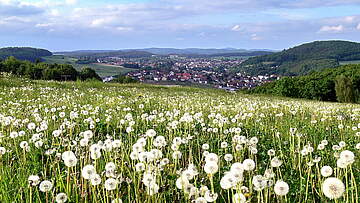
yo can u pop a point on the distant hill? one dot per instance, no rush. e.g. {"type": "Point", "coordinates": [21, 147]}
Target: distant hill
{"type": "Point", "coordinates": [241, 54]}
{"type": "Point", "coordinates": [303, 59]}
{"type": "Point", "coordinates": [99, 54]}
{"type": "Point", "coordinates": [195, 52]}
{"type": "Point", "coordinates": [24, 53]}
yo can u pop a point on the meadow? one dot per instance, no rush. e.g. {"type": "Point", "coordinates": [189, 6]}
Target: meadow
{"type": "Point", "coordinates": [349, 62]}
{"type": "Point", "coordinates": [101, 70]}
{"type": "Point", "coordinates": [95, 142]}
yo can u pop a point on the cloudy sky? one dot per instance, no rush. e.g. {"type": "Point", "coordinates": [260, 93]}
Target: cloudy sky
{"type": "Point", "coordinates": [116, 24]}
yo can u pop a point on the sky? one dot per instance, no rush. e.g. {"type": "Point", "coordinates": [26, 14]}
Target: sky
{"type": "Point", "coordinates": [64, 25]}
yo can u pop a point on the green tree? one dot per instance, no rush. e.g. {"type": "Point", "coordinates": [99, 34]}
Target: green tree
{"type": "Point", "coordinates": [287, 87]}
{"type": "Point", "coordinates": [88, 73]}
{"type": "Point", "coordinates": [344, 89]}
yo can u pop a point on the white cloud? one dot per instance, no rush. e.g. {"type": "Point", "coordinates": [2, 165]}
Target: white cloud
{"type": "Point", "coordinates": [70, 2]}
{"type": "Point", "coordinates": [255, 37]}
{"type": "Point", "coordinates": [358, 26]}
{"type": "Point", "coordinates": [124, 29]}
{"type": "Point", "coordinates": [43, 25]}
{"type": "Point", "coordinates": [54, 12]}
{"type": "Point", "coordinates": [17, 8]}
{"type": "Point", "coordinates": [236, 28]}
{"type": "Point", "coordinates": [6, 2]}
{"type": "Point", "coordinates": [98, 22]}
{"type": "Point", "coordinates": [331, 29]}
{"type": "Point", "coordinates": [349, 19]}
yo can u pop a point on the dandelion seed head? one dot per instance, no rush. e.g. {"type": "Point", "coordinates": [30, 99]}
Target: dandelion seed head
{"type": "Point", "coordinates": [333, 188]}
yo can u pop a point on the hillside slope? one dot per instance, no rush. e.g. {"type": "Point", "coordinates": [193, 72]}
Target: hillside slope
{"type": "Point", "coordinates": [24, 53]}
{"type": "Point", "coordinates": [303, 59]}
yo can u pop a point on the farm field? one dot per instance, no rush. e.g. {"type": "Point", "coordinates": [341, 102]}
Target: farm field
{"type": "Point", "coordinates": [349, 62]}
{"type": "Point", "coordinates": [101, 70]}
{"type": "Point", "coordinates": [96, 142]}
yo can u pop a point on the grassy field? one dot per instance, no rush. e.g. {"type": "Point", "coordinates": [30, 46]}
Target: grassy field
{"type": "Point", "coordinates": [349, 62]}
{"type": "Point", "coordinates": [101, 70]}
{"type": "Point", "coordinates": [96, 142]}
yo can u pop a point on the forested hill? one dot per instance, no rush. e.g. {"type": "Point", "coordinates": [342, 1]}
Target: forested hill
{"type": "Point", "coordinates": [303, 59]}
{"type": "Point", "coordinates": [24, 53]}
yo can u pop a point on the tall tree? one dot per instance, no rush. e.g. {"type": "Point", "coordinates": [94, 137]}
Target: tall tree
{"type": "Point", "coordinates": [344, 89]}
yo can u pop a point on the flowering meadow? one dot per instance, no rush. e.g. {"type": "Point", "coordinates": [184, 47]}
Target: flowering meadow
{"type": "Point", "coordinates": [94, 142]}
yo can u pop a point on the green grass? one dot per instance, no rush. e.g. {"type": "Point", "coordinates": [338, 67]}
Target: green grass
{"type": "Point", "coordinates": [349, 62]}
{"type": "Point", "coordinates": [188, 119]}
{"type": "Point", "coordinates": [101, 70]}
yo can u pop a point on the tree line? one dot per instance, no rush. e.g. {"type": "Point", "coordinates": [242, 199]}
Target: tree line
{"type": "Point", "coordinates": [340, 84]}
{"type": "Point", "coordinates": [44, 71]}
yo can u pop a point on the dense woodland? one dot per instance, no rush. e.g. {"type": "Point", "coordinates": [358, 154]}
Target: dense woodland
{"type": "Point", "coordinates": [24, 53]}
{"type": "Point", "coordinates": [44, 71]}
{"type": "Point", "coordinates": [303, 59]}
{"type": "Point", "coordinates": [333, 84]}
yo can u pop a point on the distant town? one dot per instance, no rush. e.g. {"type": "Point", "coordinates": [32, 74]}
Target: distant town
{"type": "Point", "coordinates": [209, 71]}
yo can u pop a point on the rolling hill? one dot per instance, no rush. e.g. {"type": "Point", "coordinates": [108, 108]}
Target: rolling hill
{"type": "Point", "coordinates": [99, 54]}
{"type": "Point", "coordinates": [189, 52]}
{"type": "Point", "coordinates": [24, 53]}
{"type": "Point", "coordinates": [303, 59]}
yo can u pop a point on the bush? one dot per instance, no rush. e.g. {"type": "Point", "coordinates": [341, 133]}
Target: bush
{"type": "Point", "coordinates": [124, 79]}
{"type": "Point", "coordinates": [88, 73]}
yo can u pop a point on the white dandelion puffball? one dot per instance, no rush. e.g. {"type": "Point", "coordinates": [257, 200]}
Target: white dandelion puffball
{"type": "Point", "coordinates": [211, 167]}
{"type": "Point", "coordinates": [333, 188]}
{"type": "Point", "coordinates": [248, 164]}
{"type": "Point", "coordinates": [275, 162]}
{"type": "Point", "coordinates": [61, 198]}
{"type": "Point", "coordinates": [152, 189]}
{"type": "Point", "coordinates": [228, 157]}
{"type": "Point", "coordinates": [2, 151]}
{"type": "Point", "coordinates": [342, 163]}
{"type": "Point", "coordinates": [140, 167]}
{"type": "Point", "coordinates": [67, 154]}
{"type": "Point", "coordinates": [117, 201]}
{"type": "Point", "coordinates": [200, 200]}
{"type": "Point", "coordinates": [212, 157]}
{"type": "Point", "coordinates": [95, 180]}
{"type": "Point", "coordinates": [347, 156]}
{"type": "Point", "coordinates": [239, 198]}
{"type": "Point", "coordinates": [69, 158]}
{"type": "Point", "coordinates": [182, 182]}
{"type": "Point", "coordinates": [228, 181]}
{"type": "Point", "coordinates": [110, 166]}
{"type": "Point", "coordinates": [326, 171]}
{"type": "Point", "coordinates": [45, 186]}
{"type": "Point", "coordinates": [237, 168]}
{"type": "Point", "coordinates": [205, 146]}
{"type": "Point", "coordinates": [88, 172]}
{"type": "Point", "coordinates": [34, 180]}
{"type": "Point", "coordinates": [148, 179]}
{"type": "Point", "coordinates": [281, 188]}
{"type": "Point", "coordinates": [110, 184]}
{"type": "Point", "coordinates": [150, 133]}
{"type": "Point", "coordinates": [210, 197]}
